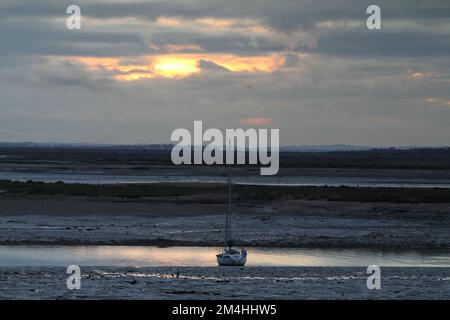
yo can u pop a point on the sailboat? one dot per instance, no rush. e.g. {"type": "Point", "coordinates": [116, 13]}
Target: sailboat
{"type": "Point", "coordinates": [230, 256]}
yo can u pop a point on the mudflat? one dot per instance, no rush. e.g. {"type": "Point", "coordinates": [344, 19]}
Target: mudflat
{"type": "Point", "coordinates": [275, 223]}
{"type": "Point", "coordinates": [220, 283]}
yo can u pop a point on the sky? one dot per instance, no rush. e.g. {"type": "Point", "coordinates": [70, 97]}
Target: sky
{"type": "Point", "coordinates": [137, 70]}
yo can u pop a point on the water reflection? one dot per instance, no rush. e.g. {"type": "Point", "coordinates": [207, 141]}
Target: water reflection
{"type": "Point", "coordinates": [205, 256]}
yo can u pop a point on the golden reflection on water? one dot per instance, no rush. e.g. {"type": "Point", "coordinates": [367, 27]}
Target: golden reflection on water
{"type": "Point", "coordinates": [206, 256]}
{"type": "Point", "coordinates": [171, 256]}
{"type": "Point", "coordinates": [141, 256]}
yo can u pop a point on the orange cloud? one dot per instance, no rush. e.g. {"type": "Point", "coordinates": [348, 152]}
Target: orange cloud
{"type": "Point", "coordinates": [256, 121]}
{"type": "Point", "coordinates": [134, 76]}
{"type": "Point", "coordinates": [170, 22]}
{"type": "Point", "coordinates": [268, 63]}
{"type": "Point", "coordinates": [177, 66]}
{"type": "Point", "coordinates": [216, 23]}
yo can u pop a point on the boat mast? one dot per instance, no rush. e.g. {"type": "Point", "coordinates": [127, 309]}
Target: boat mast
{"type": "Point", "coordinates": [228, 214]}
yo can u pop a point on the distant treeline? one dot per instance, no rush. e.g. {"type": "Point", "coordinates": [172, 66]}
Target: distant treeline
{"type": "Point", "coordinates": [421, 158]}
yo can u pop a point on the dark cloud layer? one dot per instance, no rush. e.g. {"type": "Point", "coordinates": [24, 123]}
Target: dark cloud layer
{"type": "Point", "coordinates": [25, 26]}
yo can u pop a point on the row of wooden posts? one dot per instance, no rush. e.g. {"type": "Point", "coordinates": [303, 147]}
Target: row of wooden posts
{"type": "Point", "coordinates": [112, 198]}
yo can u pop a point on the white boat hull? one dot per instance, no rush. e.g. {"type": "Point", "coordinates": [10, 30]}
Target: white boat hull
{"type": "Point", "coordinates": [231, 260]}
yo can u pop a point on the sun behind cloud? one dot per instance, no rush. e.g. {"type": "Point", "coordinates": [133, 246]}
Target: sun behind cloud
{"type": "Point", "coordinates": [176, 66]}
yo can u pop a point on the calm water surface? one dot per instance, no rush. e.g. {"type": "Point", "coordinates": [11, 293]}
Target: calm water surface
{"type": "Point", "coordinates": [90, 178]}
{"type": "Point", "coordinates": [205, 256]}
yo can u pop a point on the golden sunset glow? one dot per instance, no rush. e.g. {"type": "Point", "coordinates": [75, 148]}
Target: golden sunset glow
{"type": "Point", "coordinates": [258, 121]}
{"type": "Point", "coordinates": [176, 66]}
{"type": "Point", "coordinates": [166, 21]}
{"type": "Point", "coordinates": [234, 63]}
{"type": "Point", "coordinates": [215, 24]}
{"type": "Point", "coordinates": [110, 64]}
{"type": "Point", "coordinates": [134, 76]}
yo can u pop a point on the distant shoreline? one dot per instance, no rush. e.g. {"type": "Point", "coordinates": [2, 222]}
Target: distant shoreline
{"type": "Point", "coordinates": [89, 157]}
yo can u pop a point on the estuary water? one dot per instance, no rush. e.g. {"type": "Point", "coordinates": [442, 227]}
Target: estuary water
{"type": "Point", "coordinates": [100, 178]}
{"type": "Point", "coordinates": [148, 256]}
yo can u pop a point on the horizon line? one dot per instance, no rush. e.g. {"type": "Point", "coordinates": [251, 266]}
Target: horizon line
{"type": "Point", "coordinates": [338, 145]}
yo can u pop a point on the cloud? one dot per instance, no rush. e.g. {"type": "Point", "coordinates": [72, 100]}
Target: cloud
{"type": "Point", "coordinates": [258, 121]}
{"type": "Point", "coordinates": [254, 27]}
{"type": "Point", "coordinates": [210, 65]}
{"type": "Point", "coordinates": [438, 101]}
{"type": "Point", "coordinates": [174, 66]}
{"type": "Point", "coordinates": [417, 75]}
{"type": "Point", "coordinates": [138, 69]}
